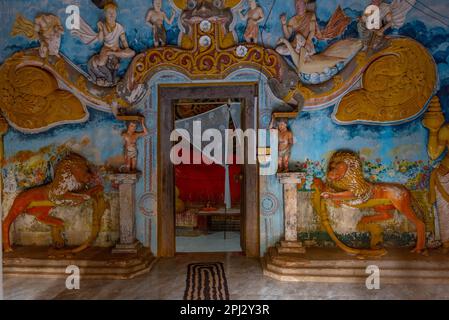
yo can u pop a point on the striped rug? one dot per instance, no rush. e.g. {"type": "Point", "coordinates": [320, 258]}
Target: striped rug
{"type": "Point", "coordinates": [206, 281]}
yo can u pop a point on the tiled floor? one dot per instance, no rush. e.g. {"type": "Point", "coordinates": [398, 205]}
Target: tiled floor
{"type": "Point", "coordinates": [213, 242]}
{"type": "Point", "coordinates": [245, 281]}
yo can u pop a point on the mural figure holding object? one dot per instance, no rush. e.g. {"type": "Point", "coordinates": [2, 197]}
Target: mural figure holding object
{"type": "Point", "coordinates": [285, 144]}
{"type": "Point", "coordinates": [103, 67]}
{"type": "Point", "coordinates": [346, 185]}
{"type": "Point", "coordinates": [73, 184]}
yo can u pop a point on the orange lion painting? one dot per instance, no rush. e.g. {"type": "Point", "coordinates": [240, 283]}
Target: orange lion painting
{"type": "Point", "coordinates": [346, 185]}
{"type": "Point", "coordinates": [71, 186]}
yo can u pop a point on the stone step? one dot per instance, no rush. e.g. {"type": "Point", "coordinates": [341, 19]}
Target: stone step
{"type": "Point", "coordinates": [288, 267]}
{"type": "Point", "coordinates": [291, 244]}
{"type": "Point", "coordinates": [304, 262]}
{"type": "Point", "coordinates": [282, 249]}
{"type": "Point", "coordinates": [83, 270]}
{"type": "Point", "coordinates": [352, 279]}
{"type": "Point", "coordinates": [301, 260]}
{"type": "Point", "coordinates": [112, 275]}
{"type": "Point", "coordinates": [66, 262]}
{"type": "Point", "coordinates": [358, 271]}
{"type": "Point", "coordinates": [287, 260]}
{"type": "Point", "coordinates": [94, 263]}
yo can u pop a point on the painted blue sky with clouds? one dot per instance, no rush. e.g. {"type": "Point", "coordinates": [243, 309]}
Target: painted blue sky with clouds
{"type": "Point", "coordinates": [315, 133]}
{"type": "Point", "coordinates": [132, 15]}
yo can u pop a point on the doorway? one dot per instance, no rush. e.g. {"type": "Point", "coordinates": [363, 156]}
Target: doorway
{"type": "Point", "coordinates": [243, 215]}
{"type": "Point", "coordinates": [208, 204]}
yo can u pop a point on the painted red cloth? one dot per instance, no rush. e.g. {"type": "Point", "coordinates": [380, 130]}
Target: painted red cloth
{"type": "Point", "coordinates": [200, 183]}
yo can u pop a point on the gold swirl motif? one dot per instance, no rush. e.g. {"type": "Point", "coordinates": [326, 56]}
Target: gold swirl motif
{"type": "Point", "coordinates": [211, 62]}
{"type": "Point", "coordinates": [305, 92]}
{"type": "Point", "coordinates": [397, 85]}
{"type": "Point", "coordinates": [81, 83]}
{"type": "Point", "coordinates": [24, 26]}
{"type": "Point", "coordinates": [61, 70]}
{"type": "Point", "coordinates": [31, 99]}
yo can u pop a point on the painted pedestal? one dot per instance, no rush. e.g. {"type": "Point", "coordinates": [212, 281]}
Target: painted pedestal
{"type": "Point", "coordinates": [127, 260]}
{"type": "Point", "coordinates": [290, 182]}
{"type": "Point", "coordinates": [127, 191]}
{"type": "Point", "coordinates": [289, 261]}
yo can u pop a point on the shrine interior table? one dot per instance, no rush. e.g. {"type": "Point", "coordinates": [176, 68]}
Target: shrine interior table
{"type": "Point", "coordinates": [203, 224]}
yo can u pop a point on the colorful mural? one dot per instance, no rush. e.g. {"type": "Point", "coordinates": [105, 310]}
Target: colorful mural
{"type": "Point", "coordinates": [339, 84]}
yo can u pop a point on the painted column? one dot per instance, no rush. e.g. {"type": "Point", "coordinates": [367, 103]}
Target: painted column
{"type": "Point", "coordinates": [290, 183]}
{"type": "Point", "coordinates": [127, 202]}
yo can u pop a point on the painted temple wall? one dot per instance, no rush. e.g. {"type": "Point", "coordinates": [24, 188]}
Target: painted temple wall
{"type": "Point", "coordinates": [392, 153]}
{"type": "Point", "coordinates": [27, 164]}
{"type": "Point", "coordinates": [78, 224]}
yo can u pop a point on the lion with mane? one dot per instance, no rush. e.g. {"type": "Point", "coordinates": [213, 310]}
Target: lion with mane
{"type": "Point", "coordinates": [71, 186]}
{"type": "Point", "coordinates": [345, 184]}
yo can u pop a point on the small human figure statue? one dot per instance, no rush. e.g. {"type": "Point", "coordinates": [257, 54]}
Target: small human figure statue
{"type": "Point", "coordinates": [254, 16]}
{"type": "Point", "coordinates": [155, 19]}
{"type": "Point", "coordinates": [130, 137]}
{"type": "Point", "coordinates": [285, 143]}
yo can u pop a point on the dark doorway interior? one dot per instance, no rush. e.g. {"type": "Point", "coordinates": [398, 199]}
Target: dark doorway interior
{"type": "Point", "coordinates": [208, 202]}
{"type": "Point", "coordinates": [248, 217]}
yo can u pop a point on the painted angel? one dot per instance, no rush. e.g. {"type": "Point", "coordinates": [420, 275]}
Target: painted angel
{"type": "Point", "coordinates": [392, 16]}
{"type": "Point", "coordinates": [103, 66]}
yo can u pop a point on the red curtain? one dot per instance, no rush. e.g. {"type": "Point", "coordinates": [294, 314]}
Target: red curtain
{"type": "Point", "coordinates": [200, 183]}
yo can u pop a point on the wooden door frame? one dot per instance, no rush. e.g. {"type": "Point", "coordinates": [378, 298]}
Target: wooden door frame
{"type": "Point", "coordinates": [167, 94]}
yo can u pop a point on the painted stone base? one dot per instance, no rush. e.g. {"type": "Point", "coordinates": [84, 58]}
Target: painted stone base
{"type": "Point", "coordinates": [28, 231]}
{"type": "Point", "coordinates": [94, 263]}
{"type": "Point", "coordinates": [127, 248]}
{"type": "Point", "coordinates": [290, 247]}
{"type": "Point", "coordinates": [333, 265]}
